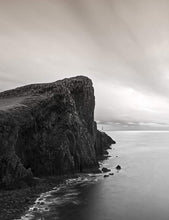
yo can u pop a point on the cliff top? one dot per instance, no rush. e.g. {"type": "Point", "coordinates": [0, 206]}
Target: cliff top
{"type": "Point", "coordinates": [40, 88]}
{"type": "Point", "coordinates": [16, 97]}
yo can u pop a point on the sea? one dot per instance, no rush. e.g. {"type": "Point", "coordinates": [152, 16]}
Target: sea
{"type": "Point", "coordinates": [139, 191]}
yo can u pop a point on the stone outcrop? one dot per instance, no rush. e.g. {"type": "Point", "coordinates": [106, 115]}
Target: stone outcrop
{"type": "Point", "coordinates": [49, 129]}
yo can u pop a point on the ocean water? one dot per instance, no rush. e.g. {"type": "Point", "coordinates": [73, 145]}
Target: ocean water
{"type": "Point", "coordinates": [140, 191]}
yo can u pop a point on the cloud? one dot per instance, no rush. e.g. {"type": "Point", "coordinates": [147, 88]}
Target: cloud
{"type": "Point", "coordinates": [122, 45]}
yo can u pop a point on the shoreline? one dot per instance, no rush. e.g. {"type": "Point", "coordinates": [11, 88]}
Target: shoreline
{"type": "Point", "coordinates": [14, 203]}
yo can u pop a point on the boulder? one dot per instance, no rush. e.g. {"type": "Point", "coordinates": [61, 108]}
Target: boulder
{"type": "Point", "coordinates": [105, 170]}
{"type": "Point", "coordinates": [105, 176]}
{"type": "Point", "coordinates": [118, 167]}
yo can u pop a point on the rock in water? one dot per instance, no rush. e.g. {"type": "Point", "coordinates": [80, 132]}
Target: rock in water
{"type": "Point", "coordinates": [118, 167]}
{"type": "Point", "coordinates": [105, 170]}
{"type": "Point", "coordinates": [49, 129]}
{"type": "Point", "coordinates": [105, 176]}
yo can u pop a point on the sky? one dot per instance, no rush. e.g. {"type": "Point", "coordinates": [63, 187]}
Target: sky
{"type": "Point", "coordinates": [122, 45]}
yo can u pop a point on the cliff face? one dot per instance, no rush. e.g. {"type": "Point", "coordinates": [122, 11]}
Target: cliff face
{"type": "Point", "coordinates": [49, 129]}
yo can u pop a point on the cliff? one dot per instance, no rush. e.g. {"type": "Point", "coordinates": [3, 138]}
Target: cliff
{"type": "Point", "coordinates": [49, 129]}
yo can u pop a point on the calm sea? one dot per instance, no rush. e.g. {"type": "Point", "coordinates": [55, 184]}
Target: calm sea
{"type": "Point", "coordinates": [140, 191]}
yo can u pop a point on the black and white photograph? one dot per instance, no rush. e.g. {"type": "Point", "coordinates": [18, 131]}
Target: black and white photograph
{"type": "Point", "coordinates": [84, 109]}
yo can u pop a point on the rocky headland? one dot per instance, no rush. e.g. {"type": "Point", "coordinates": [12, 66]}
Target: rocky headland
{"type": "Point", "coordinates": [49, 130]}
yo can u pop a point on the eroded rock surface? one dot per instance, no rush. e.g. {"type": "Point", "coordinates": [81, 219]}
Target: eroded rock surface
{"type": "Point", "coordinates": [49, 129]}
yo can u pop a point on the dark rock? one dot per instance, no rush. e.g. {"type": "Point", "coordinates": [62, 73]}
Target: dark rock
{"type": "Point", "coordinates": [27, 199]}
{"type": "Point", "coordinates": [105, 176]}
{"type": "Point", "coordinates": [49, 129]}
{"type": "Point", "coordinates": [118, 167]}
{"type": "Point", "coordinates": [111, 174]}
{"type": "Point", "coordinates": [102, 140]}
{"type": "Point", "coordinates": [105, 170]}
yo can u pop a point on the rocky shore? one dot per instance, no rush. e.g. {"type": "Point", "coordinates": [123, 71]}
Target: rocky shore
{"type": "Point", "coordinates": [14, 202]}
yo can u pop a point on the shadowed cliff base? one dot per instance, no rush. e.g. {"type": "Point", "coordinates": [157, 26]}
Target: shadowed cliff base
{"type": "Point", "coordinates": [49, 129]}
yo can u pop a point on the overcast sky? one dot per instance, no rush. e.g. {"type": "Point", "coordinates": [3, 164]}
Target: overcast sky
{"type": "Point", "coordinates": [122, 45]}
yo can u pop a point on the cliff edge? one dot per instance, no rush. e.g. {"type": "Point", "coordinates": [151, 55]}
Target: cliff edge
{"type": "Point", "coordinates": [49, 129]}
